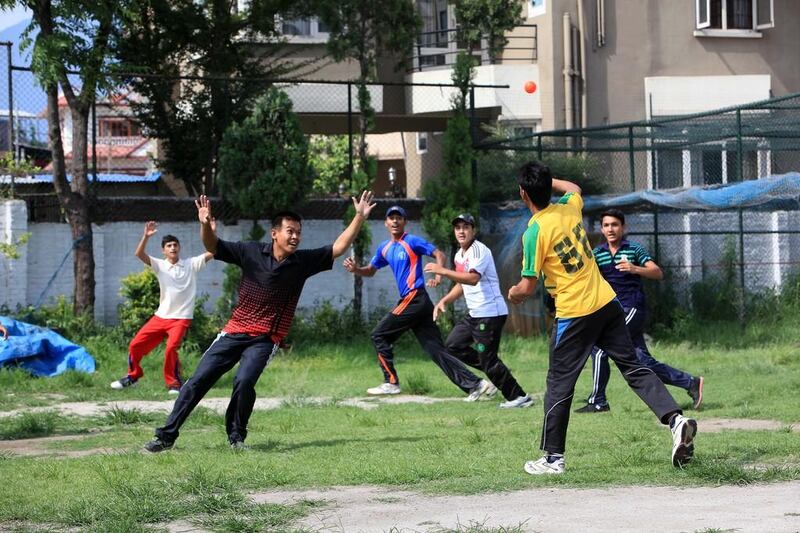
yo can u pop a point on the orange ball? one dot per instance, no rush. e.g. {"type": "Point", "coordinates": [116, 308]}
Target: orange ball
{"type": "Point", "coordinates": [530, 87]}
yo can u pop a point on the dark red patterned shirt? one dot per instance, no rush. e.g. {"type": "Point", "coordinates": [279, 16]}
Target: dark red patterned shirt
{"type": "Point", "coordinates": [270, 289]}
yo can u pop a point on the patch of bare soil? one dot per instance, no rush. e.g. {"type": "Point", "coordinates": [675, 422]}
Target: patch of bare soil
{"type": "Point", "coordinates": [715, 425]}
{"type": "Point", "coordinates": [764, 508]}
{"type": "Point", "coordinates": [219, 405]}
{"type": "Point", "coordinates": [47, 446]}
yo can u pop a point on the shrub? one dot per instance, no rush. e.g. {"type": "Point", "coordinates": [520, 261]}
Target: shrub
{"type": "Point", "coordinates": [141, 294]}
{"type": "Point", "coordinates": [61, 318]}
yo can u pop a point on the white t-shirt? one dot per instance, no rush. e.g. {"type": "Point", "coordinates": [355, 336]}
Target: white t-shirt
{"type": "Point", "coordinates": [484, 299]}
{"type": "Point", "coordinates": [178, 285]}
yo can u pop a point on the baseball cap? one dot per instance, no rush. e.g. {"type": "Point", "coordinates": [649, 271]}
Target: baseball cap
{"type": "Point", "coordinates": [464, 217]}
{"type": "Point", "coordinates": [396, 209]}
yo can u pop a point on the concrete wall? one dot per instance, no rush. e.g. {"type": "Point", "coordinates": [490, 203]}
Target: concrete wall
{"type": "Point", "coordinates": [769, 258]}
{"type": "Point", "coordinates": [23, 280]}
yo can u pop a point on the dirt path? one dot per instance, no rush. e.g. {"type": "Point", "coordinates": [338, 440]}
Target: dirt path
{"type": "Point", "coordinates": [768, 508]}
{"type": "Point", "coordinates": [219, 404]}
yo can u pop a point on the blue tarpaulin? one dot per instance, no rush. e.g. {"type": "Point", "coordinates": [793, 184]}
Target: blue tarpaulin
{"type": "Point", "coordinates": [41, 351]}
{"type": "Point", "coordinates": [775, 191]}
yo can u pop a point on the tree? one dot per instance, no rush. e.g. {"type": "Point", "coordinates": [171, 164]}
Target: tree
{"type": "Point", "coordinates": [362, 30]}
{"type": "Point", "coordinates": [263, 160]}
{"type": "Point", "coordinates": [454, 191]}
{"type": "Point", "coordinates": [73, 35]}
{"type": "Point", "coordinates": [329, 160]}
{"type": "Point", "coordinates": [214, 42]}
{"type": "Point", "coordinates": [487, 19]}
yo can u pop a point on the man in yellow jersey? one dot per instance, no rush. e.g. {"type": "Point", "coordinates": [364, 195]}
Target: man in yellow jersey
{"type": "Point", "coordinates": [587, 314]}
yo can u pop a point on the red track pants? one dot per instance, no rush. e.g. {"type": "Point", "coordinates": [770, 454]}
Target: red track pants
{"type": "Point", "coordinates": [150, 336]}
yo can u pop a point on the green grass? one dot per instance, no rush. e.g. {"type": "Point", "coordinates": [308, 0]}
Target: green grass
{"type": "Point", "coordinates": [444, 448]}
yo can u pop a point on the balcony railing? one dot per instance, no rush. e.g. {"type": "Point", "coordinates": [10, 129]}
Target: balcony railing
{"type": "Point", "coordinates": [439, 48]}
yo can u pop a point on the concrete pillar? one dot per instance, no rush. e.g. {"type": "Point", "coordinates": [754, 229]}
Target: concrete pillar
{"type": "Point", "coordinates": [14, 271]}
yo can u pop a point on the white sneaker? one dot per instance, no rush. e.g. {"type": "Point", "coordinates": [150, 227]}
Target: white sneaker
{"type": "Point", "coordinates": [173, 392]}
{"type": "Point", "coordinates": [484, 388]}
{"type": "Point", "coordinates": [683, 432]}
{"type": "Point", "coordinates": [384, 388]}
{"type": "Point", "coordinates": [541, 466]}
{"type": "Point", "coordinates": [519, 401]}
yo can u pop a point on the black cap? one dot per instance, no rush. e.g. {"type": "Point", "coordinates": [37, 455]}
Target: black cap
{"type": "Point", "coordinates": [464, 217]}
{"type": "Point", "coordinates": [396, 209]}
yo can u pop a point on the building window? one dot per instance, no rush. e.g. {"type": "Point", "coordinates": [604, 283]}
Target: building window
{"type": "Point", "coordinates": [710, 166]}
{"type": "Point", "coordinates": [304, 28]}
{"type": "Point", "coordinates": [117, 128]}
{"type": "Point", "coordinates": [422, 142]}
{"type": "Point", "coordinates": [747, 15]}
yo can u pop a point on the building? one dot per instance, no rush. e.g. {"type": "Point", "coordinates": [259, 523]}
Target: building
{"type": "Point", "coordinates": [592, 63]}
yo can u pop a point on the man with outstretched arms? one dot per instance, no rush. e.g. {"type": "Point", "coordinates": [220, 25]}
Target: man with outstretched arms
{"type": "Point", "coordinates": [273, 275]}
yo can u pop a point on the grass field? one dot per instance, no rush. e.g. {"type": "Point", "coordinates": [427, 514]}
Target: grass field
{"type": "Point", "coordinates": [448, 447]}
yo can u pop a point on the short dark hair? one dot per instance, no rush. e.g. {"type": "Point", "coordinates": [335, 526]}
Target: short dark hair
{"type": "Point", "coordinates": [166, 239]}
{"type": "Point", "coordinates": [613, 212]}
{"type": "Point", "coordinates": [278, 218]}
{"type": "Point", "coordinates": [536, 180]}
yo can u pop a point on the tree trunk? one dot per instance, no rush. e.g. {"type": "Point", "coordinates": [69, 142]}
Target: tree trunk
{"type": "Point", "coordinates": [78, 214]}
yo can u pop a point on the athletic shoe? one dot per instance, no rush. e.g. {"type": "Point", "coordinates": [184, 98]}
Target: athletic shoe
{"type": "Point", "coordinates": [695, 391]}
{"type": "Point", "coordinates": [123, 383]}
{"type": "Point", "coordinates": [519, 401]}
{"type": "Point", "coordinates": [157, 445]}
{"type": "Point", "coordinates": [542, 466]}
{"type": "Point", "coordinates": [239, 446]}
{"type": "Point", "coordinates": [683, 432]}
{"type": "Point", "coordinates": [384, 388]}
{"type": "Point", "coordinates": [594, 408]}
{"type": "Point", "coordinates": [484, 388]}
{"type": "Point", "coordinates": [174, 391]}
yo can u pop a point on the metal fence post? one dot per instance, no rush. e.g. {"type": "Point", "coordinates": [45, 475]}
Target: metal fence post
{"type": "Point", "coordinates": [743, 300]}
{"type": "Point", "coordinates": [10, 111]}
{"type": "Point", "coordinates": [655, 236]}
{"type": "Point", "coordinates": [473, 132]}
{"type": "Point", "coordinates": [350, 134]}
{"type": "Point", "coordinates": [631, 161]}
{"type": "Point", "coordinates": [739, 149]}
{"type": "Point", "coordinates": [94, 141]}
{"type": "Point", "coordinates": [539, 146]}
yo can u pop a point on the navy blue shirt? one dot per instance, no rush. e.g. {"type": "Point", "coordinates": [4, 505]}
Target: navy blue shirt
{"type": "Point", "coordinates": [627, 286]}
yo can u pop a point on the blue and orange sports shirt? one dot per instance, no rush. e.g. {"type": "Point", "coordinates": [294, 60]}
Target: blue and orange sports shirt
{"type": "Point", "coordinates": [405, 258]}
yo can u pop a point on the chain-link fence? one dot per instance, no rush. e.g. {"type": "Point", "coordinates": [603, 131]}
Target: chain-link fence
{"type": "Point", "coordinates": [729, 145]}
{"type": "Point", "coordinates": [134, 128]}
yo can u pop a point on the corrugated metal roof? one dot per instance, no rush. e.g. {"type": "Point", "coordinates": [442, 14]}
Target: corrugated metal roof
{"type": "Point", "coordinates": [101, 177]}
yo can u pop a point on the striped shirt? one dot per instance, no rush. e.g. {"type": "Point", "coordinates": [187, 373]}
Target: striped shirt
{"type": "Point", "coordinates": [628, 286]}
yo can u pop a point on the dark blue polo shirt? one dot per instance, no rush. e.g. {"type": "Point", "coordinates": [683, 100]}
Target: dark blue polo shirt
{"type": "Point", "coordinates": [627, 286]}
{"type": "Point", "coordinates": [270, 289]}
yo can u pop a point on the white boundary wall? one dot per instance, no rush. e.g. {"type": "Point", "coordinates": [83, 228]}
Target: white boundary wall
{"type": "Point", "coordinates": [24, 279]}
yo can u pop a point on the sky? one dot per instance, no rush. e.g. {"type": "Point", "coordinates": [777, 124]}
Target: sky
{"type": "Point", "coordinates": [11, 17]}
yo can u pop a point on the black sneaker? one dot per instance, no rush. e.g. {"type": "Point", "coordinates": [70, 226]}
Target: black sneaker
{"type": "Point", "coordinates": [696, 391]}
{"type": "Point", "coordinates": [594, 408]}
{"type": "Point", "coordinates": [123, 383]}
{"type": "Point", "coordinates": [157, 445]}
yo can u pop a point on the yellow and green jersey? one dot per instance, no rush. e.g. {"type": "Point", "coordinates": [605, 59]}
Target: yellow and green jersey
{"type": "Point", "coordinates": [555, 247]}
